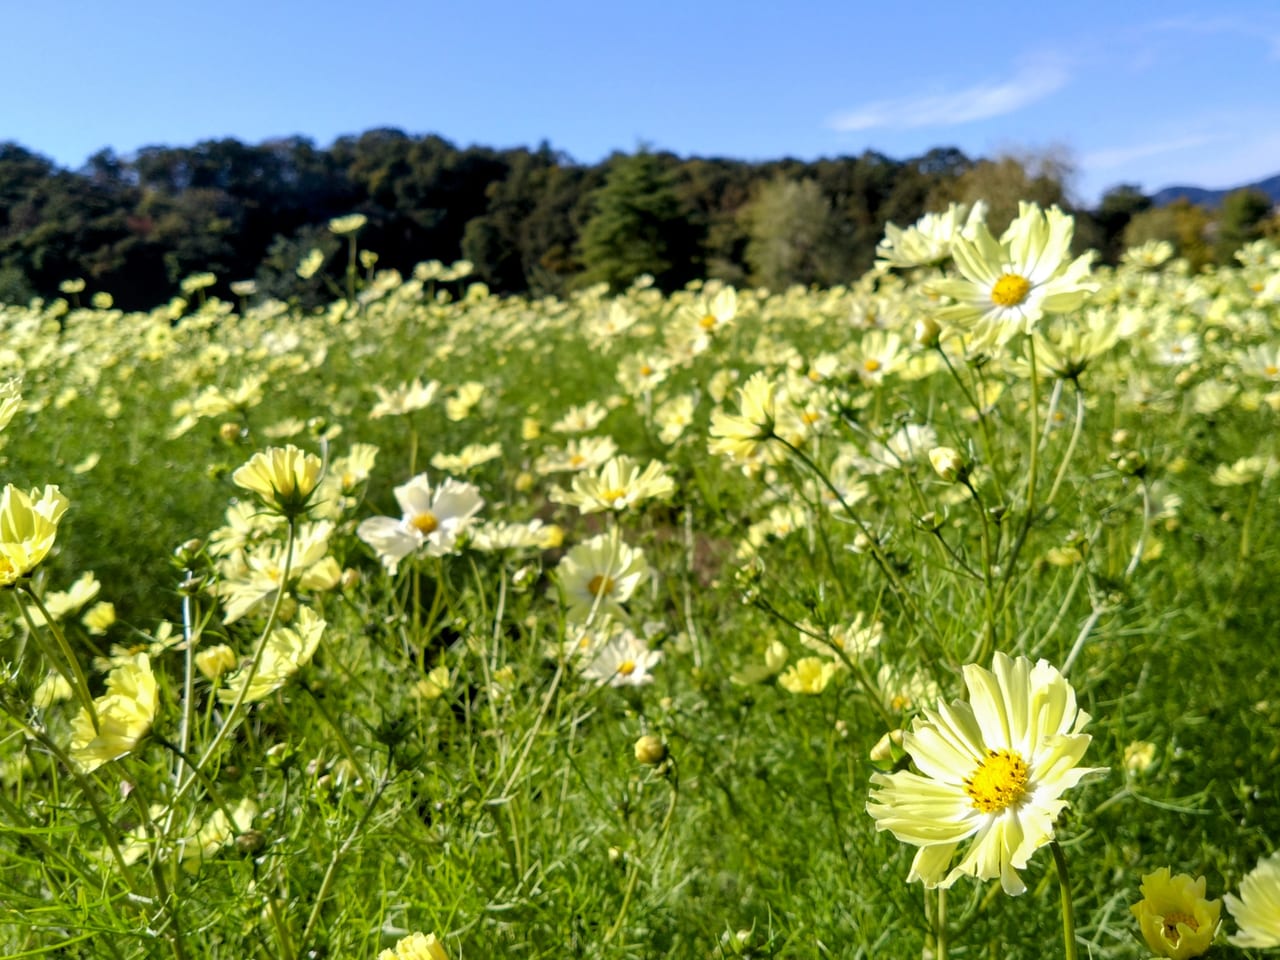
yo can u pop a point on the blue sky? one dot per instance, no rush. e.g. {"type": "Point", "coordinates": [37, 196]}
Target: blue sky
{"type": "Point", "coordinates": [1146, 93]}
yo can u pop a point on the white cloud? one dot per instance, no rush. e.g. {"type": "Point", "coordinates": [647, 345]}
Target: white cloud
{"type": "Point", "coordinates": [978, 102]}
{"type": "Point", "coordinates": [1119, 156]}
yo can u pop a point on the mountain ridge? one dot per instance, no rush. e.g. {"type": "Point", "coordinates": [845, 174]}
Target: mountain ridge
{"type": "Point", "coordinates": [1213, 198]}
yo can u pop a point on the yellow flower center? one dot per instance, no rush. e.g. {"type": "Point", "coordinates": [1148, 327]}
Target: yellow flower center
{"type": "Point", "coordinates": [627, 667]}
{"type": "Point", "coordinates": [613, 495]}
{"type": "Point", "coordinates": [871, 365]}
{"type": "Point", "coordinates": [1271, 370]}
{"type": "Point", "coordinates": [600, 585]}
{"type": "Point", "coordinates": [646, 370]}
{"type": "Point", "coordinates": [708, 322]}
{"type": "Point", "coordinates": [810, 417]}
{"type": "Point", "coordinates": [577, 460]}
{"type": "Point", "coordinates": [1170, 922]}
{"type": "Point", "coordinates": [425, 523]}
{"type": "Point", "coordinates": [999, 782]}
{"type": "Point", "coordinates": [1010, 290]}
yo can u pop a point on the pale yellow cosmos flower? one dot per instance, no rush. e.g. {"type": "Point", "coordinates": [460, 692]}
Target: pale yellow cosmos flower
{"type": "Point", "coordinates": [125, 714]}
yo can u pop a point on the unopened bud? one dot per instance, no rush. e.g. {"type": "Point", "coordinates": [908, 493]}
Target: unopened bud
{"type": "Point", "coordinates": [948, 463]}
{"type": "Point", "coordinates": [887, 748]}
{"type": "Point", "coordinates": [927, 332]}
{"type": "Point", "coordinates": [650, 750]}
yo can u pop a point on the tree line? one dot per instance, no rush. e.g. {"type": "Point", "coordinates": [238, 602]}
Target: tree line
{"type": "Point", "coordinates": [529, 220]}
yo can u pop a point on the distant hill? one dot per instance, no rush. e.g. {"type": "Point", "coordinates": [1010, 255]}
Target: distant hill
{"type": "Point", "coordinates": [1213, 198]}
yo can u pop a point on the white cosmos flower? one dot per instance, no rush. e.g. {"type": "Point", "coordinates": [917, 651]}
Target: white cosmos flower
{"type": "Point", "coordinates": [431, 520]}
{"type": "Point", "coordinates": [991, 770]}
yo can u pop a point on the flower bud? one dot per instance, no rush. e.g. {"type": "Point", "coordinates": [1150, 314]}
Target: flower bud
{"type": "Point", "coordinates": [948, 463]}
{"type": "Point", "coordinates": [927, 332]}
{"type": "Point", "coordinates": [650, 750]}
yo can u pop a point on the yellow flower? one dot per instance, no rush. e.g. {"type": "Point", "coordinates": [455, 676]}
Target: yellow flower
{"type": "Point", "coordinates": [61, 603]}
{"type": "Point", "coordinates": [808, 675]}
{"type": "Point", "coordinates": [348, 224]}
{"type": "Point", "coordinates": [405, 398]}
{"type": "Point", "coordinates": [215, 661]}
{"type": "Point", "coordinates": [468, 458]}
{"type": "Point", "coordinates": [740, 436]}
{"type": "Point", "coordinates": [99, 618]}
{"type": "Point", "coordinates": [928, 241]}
{"type": "Point", "coordinates": [992, 769]}
{"type": "Point", "coordinates": [10, 400]}
{"type": "Point", "coordinates": [599, 575]}
{"type": "Point", "coordinates": [435, 684]}
{"type": "Point", "coordinates": [28, 526]}
{"type": "Point", "coordinates": [650, 750]}
{"type": "Point", "coordinates": [53, 688]}
{"type": "Point", "coordinates": [310, 264]}
{"type": "Point", "coordinates": [288, 649]}
{"type": "Point", "coordinates": [416, 946]}
{"type": "Point", "coordinates": [125, 714]}
{"type": "Point", "coordinates": [948, 463]}
{"type": "Point", "coordinates": [1008, 286]}
{"type": "Point", "coordinates": [284, 477]}
{"type": "Point", "coordinates": [197, 281]}
{"type": "Point", "coordinates": [619, 484]}
{"type": "Point", "coordinates": [1138, 757]}
{"type": "Point", "coordinates": [1175, 918]}
{"type": "Point", "coordinates": [1257, 910]}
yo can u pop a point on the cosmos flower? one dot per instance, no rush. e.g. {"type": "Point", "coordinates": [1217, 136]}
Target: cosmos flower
{"type": "Point", "coordinates": [1175, 918]}
{"type": "Point", "coordinates": [283, 477]}
{"type": "Point", "coordinates": [288, 649]}
{"type": "Point", "coordinates": [619, 484]}
{"type": "Point", "coordinates": [28, 527]}
{"type": "Point", "coordinates": [1009, 285]}
{"type": "Point", "coordinates": [991, 770]}
{"type": "Point", "coordinates": [1257, 910]}
{"type": "Point", "coordinates": [431, 520]}
{"type": "Point", "coordinates": [416, 946]}
{"type": "Point", "coordinates": [599, 575]}
{"type": "Point", "coordinates": [741, 436]}
{"type": "Point", "coordinates": [125, 713]}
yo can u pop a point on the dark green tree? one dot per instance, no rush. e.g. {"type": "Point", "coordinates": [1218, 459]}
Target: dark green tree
{"type": "Point", "coordinates": [1240, 221]}
{"type": "Point", "coordinates": [638, 225]}
{"type": "Point", "coordinates": [1118, 206]}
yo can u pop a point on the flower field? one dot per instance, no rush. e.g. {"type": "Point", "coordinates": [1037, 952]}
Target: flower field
{"type": "Point", "coordinates": [929, 616]}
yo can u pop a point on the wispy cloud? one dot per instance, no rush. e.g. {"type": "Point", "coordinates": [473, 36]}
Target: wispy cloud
{"type": "Point", "coordinates": [979, 102]}
{"type": "Point", "coordinates": [1266, 29]}
{"type": "Point", "coordinates": [1119, 156]}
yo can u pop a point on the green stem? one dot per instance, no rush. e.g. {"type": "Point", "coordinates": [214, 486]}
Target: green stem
{"type": "Point", "coordinates": [326, 884]}
{"type": "Point", "coordinates": [634, 867]}
{"type": "Point", "coordinates": [899, 588]}
{"type": "Point", "coordinates": [69, 667]}
{"type": "Point", "coordinates": [1068, 912]}
{"type": "Point", "coordinates": [1033, 465]}
{"type": "Point", "coordinates": [233, 715]}
{"type": "Point", "coordinates": [940, 926]}
{"type": "Point", "coordinates": [1071, 446]}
